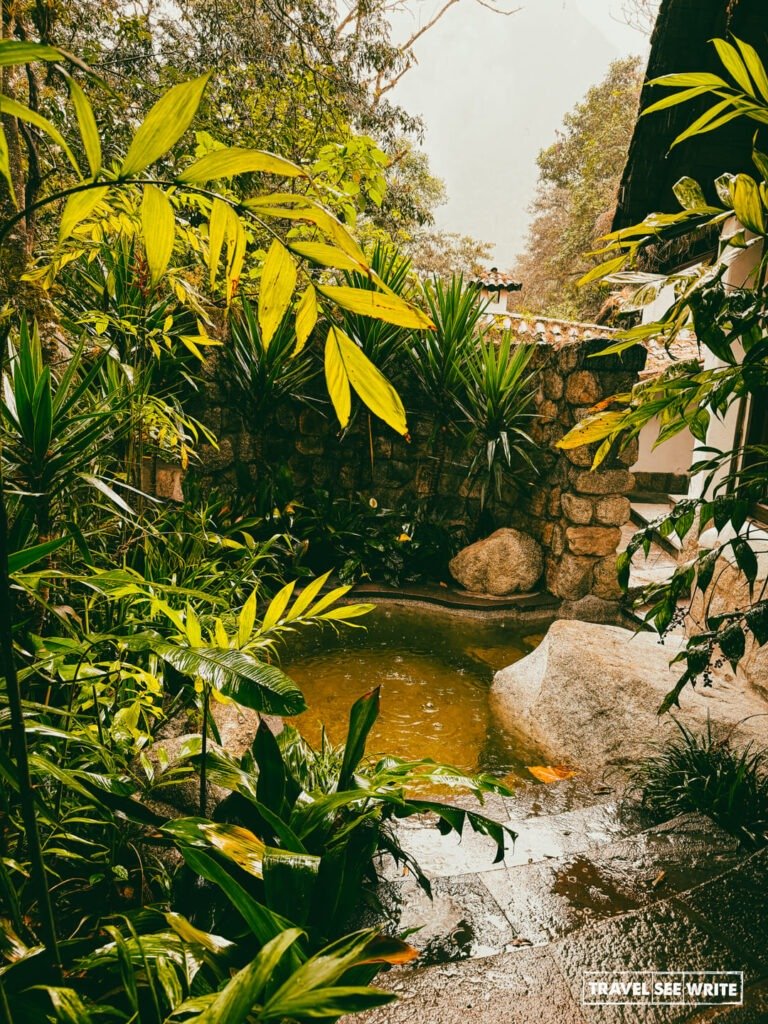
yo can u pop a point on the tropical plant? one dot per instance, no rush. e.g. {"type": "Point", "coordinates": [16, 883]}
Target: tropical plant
{"type": "Point", "coordinates": [499, 394]}
{"type": "Point", "coordinates": [320, 816]}
{"type": "Point", "coordinates": [705, 773]}
{"type": "Point", "coordinates": [731, 324]}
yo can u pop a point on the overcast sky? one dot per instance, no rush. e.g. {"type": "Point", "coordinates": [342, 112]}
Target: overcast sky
{"type": "Point", "coordinates": [493, 90]}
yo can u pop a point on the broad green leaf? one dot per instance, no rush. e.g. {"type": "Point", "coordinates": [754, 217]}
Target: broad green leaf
{"type": "Point", "coordinates": [16, 51]}
{"type": "Point", "coordinates": [369, 382]}
{"type": "Point", "coordinates": [325, 1002]}
{"type": "Point", "coordinates": [249, 682]}
{"type": "Point", "coordinates": [362, 717]}
{"type": "Point", "coordinates": [227, 163]}
{"type": "Point", "coordinates": [159, 230]}
{"type": "Point", "coordinates": [237, 844]}
{"type": "Point", "coordinates": [747, 204]}
{"type": "Point", "coordinates": [336, 379]}
{"type": "Point", "coordinates": [326, 255]}
{"type": "Point", "coordinates": [18, 560]}
{"type": "Point", "coordinates": [164, 125]}
{"type": "Point", "coordinates": [89, 131]}
{"type": "Point", "coordinates": [264, 923]}
{"type": "Point", "coordinates": [306, 318]}
{"type": "Point", "coordinates": [593, 428]}
{"type": "Point", "coordinates": [390, 308]}
{"type": "Point", "coordinates": [734, 65]}
{"type": "Point", "coordinates": [278, 280]}
{"type": "Point", "coordinates": [689, 194]}
{"type": "Point", "coordinates": [233, 1004]}
{"type": "Point", "coordinates": [14, 109]}
{"type": "Point", "coordinates": [78, 208]}
{"type": "Point", "coordinates": [217, 230]}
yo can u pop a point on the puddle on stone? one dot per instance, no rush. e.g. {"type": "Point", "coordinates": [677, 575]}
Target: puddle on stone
{"type": "Point", "coordinates": [586, 889]}
{"type": "Point", "coordinates": [435, 669]}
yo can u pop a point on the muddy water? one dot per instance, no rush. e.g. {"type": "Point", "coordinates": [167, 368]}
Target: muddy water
{"type": "Point", "coordinates": [435, 669]}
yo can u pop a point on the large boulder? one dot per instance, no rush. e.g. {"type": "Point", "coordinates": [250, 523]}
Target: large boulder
{"type": "Point", "coordinates": [507, 562]}
{"type": "Point", "coordinates": [589, 695]}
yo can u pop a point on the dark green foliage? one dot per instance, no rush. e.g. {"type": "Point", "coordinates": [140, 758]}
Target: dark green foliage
{"type": "Point", "coordinates": [706, 773]}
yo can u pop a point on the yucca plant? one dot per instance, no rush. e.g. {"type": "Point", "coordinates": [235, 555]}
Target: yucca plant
{"type": "Point", "coordinates": [261, 376]}
{"type": "Point", "coordinates": [497, 403]}
{"type": "Point", "coordinates": [439, 359]}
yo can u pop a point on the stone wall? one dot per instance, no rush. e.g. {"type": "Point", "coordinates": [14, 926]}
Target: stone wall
{"type": "Point", "coordinates": [575, 513]}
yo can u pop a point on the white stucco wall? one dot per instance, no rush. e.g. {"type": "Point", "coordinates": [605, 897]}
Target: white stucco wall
{"type": "Point", "coordinates": [672, 456]}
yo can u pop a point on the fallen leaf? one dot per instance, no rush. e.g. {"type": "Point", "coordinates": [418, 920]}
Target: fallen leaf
{"type": "Point", "coordinates": [551, 773]}
{"type": "Point", "coordinates": [658, 879]}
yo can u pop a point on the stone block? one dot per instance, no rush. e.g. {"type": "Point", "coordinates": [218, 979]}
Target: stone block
{"type": "Point", "coordinates": [612, 510]}
{"type": "Point", "coordinates": [605, 583]}
{"type": "Point", "coordinates": [629, 455]}
{"type": "Point", "coordinates": [311, 422]}
{"type": "Point", "coordinates": [310, 445]}
{"type": "Point", "coordinates": [582, 388]}
{"type": "Point", "coordinates": [552, 384]}
{"type": "Point", "coordinates": [286, 417]}
{"type": "Point", "coordinates": [537, 502]}
{"type": "Point", "coordinates": [548, 411]}
{"type": "Point", "coordinates": [579, 456]}
{"type": "Point", "coordinates": [570, 577]}
{"type": "Point", "coordinates": [578, 509]}
{"type": "Point", "coordinates": [592, 540]}
{"type": "Point", "coordinates": [554, 503]}
{"type": "Point", "coordinates": [599, 481]}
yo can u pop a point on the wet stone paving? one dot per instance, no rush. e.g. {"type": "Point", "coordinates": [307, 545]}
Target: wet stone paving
{"type": "Point", "coordinates": [587, 887]}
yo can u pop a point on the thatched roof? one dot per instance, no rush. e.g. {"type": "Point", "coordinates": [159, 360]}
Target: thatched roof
{"type": "Point", "coordinates": [680, 43]}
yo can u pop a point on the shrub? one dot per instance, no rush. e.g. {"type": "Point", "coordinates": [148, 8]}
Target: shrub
{"type": "Point", "coordinates": [706, 773]}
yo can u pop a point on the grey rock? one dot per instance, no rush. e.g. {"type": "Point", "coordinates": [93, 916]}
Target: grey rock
{"type": "Point", "coordinates": [589, 695]}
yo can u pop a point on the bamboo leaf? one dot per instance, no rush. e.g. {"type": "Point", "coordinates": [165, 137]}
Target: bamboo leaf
{"type": "Point", "coordinates": [604, 269]}
{"type": "Point", "coordinates": [227, 163]}
{"type": "Point", "coordinates": [164, 125]}
{"type": "Point", "coordinates": [89, 131]}
{"type": "Point", "coordinates": [5, 166]}
{"type": "Point", "coordinates": [709, 121]}
{"type": "Point", "coordinates": [694, 79]}
{"type": "Point", "coordinates": [17, 51]}
{"type": "Point", "coordinates": [390, 308]}
{"type": "Point", "coordinates": [159, 229]}
{"type": "Point", "coordinates": [14, 109]}
{"type": "Point", "coordinates": [306, 318]}
{"type": "Point", "coordinates": [674, 98]}
{"type": "Point", "coordinates": [18, 560]}
{"type": "Point", "coordinates": [217, 230]}
{"type": "Point", "coordinates": [336, 380]}
{"type": "Point", "coordinates": [369, 382]}
{"type": "Point", "coordinates": [78, 208]}
{"type": "Point", "coordinates": [278, 280]}
{"type": "Point", "coordinates": [326, 255]}
{"type": "Point", "coordinates": [277, 606]}
{"type": "Point", "coordinates": [305, 209]}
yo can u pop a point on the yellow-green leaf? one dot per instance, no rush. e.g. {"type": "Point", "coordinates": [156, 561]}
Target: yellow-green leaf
{"type": "Point", "coordinates": [89, 131]}
{"type": "Point", "coordinates": [315, 214]}
{"type": "Point", "coordinates": [336, 379]}
{"type": "Point", "coordinates": [733, 63]}
{"type": "Point", "coordinates": [306, 318]}
{"type": "Point", "coordinates": [17, 51]}
{"type": "Point", "coordinates": [389, 308]}
{"type": "Point", "coordinates": [164, 125]}
{"type": "Point", "coordinates": [78, 208]}
{"type": "Point", "coordinates": [604, 269]}
{"type": "Point", "coordinates": [591, 429]}
{"type": "Point", "coordinates": [278, 280]}
{"type": "Point", "coordinates": [369, 382]}
{"type": "Point", "coordinates": [14, 109]}
{"type": "Point", "coordinates": [5, 164]}
{"type": "Point", "coordinates": [227, 163]}
{"type": "Point", "coordinates": [217, 230]}
{"type": "Point", "coordinates": [747, 204]}
{"type": "Point", "coordinates": [277, 606]}
{"type": "Point", "coordinates": [159, 228]}
{"type": "Point", "coordinates": [236, 244]}
{"type": "Point", "coordinates": [326, 255]}
{"type": "Point", "coordinates": [246, 620]}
